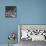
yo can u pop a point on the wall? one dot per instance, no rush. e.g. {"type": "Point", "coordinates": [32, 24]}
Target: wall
{"type": "Point", "coordinates": [28, 12]}
{"type": "Point", "coordinates": [33, 12]}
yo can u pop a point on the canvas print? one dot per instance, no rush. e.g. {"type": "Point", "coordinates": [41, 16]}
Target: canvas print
{"type": "Point", "coordinates": [33, 32]}
{"type": "Point", "coordinates": [10, 11]}
{"type": "Point", "coordinates": [31, 35]}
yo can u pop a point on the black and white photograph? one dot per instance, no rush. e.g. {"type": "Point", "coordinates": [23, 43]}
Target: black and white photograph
{"type": "Point", "coordinates": [10, 11]}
